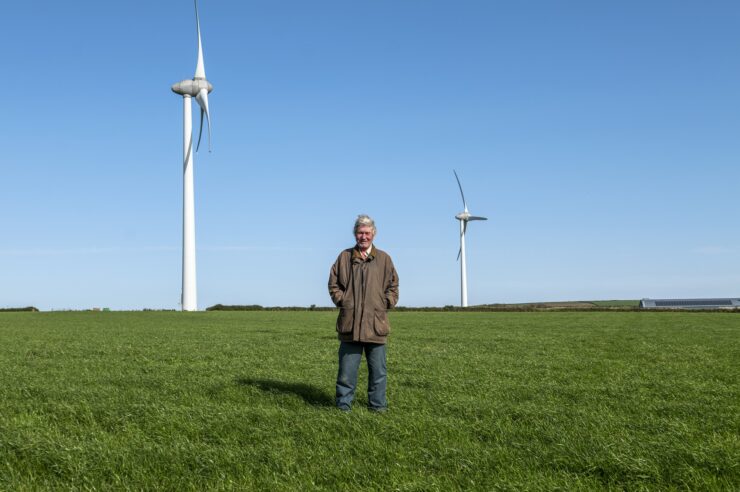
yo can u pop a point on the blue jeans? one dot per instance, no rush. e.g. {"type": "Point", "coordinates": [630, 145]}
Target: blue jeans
{"type": "Point", "coordinates": [350, 354]}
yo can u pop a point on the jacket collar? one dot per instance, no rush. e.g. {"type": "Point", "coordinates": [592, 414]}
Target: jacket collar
{"type": "Point", "coordinates": [356, 256]}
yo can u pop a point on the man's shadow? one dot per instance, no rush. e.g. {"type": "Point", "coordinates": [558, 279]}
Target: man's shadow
{"type": "Point", "coordinates": [310, 394]}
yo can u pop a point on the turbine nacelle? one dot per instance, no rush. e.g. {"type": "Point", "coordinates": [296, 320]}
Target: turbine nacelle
{"type": "Point", "coordinates": [191, 87]}
{"type": "Point", "coordinates": [466, 216]}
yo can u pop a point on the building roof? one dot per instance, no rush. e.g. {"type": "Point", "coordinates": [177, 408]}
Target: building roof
{"type": "Point", "coordinates": [713, 303]}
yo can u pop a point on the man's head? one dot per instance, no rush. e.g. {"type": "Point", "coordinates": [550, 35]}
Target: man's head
{"type": "Point", "coordinates": [364, 231]}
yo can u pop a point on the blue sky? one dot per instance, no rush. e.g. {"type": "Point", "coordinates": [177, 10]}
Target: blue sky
{"type": "Point", "coordinates": [599, 138]}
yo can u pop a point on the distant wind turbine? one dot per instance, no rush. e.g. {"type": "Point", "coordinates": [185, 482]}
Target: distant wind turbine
{"type": "Point", "coordinates": [199, 88]}
{"type": "Point", "coordinates": [463, 217]}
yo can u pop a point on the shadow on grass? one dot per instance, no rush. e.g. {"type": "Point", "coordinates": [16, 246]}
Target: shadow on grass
{"type": "Point", "coordinates": [310, 394]}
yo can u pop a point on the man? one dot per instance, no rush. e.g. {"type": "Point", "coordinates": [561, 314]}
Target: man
{"type": "Point", "coordinates": [363, 283]}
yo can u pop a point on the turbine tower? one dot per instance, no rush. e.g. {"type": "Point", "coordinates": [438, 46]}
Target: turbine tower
{"type": "Point", "coordinates": [463, 217]}
{"type": "Point", "coordinates": [199, 88]}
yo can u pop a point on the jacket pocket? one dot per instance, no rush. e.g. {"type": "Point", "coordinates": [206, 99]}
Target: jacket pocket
{"type": "Point", "coordinates": [345, 320]}
{"type": "Point", "coordinates": [381, 327]}
{"type": "Point", "coordinates": [346, 302]}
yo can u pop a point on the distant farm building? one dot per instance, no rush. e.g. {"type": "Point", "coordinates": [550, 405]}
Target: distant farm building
{"type": "Point", "coordinates": [730, 303]}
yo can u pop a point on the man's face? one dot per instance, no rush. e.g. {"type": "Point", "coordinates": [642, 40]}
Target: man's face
{"type": "Point", "coordinates": [364, 237]}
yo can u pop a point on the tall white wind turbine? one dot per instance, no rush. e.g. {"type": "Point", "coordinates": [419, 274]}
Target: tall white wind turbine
{"type": "Point", "coordinates": [199, 88]}
{"type": "Point", "coordinates": [463, 217]}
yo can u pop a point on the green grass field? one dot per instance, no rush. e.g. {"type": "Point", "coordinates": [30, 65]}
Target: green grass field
{"type": "Point", "coordinates": [478, 401]}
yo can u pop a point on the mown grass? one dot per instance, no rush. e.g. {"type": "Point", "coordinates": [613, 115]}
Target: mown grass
{"type": "Point", "coordinates": [478, 401]}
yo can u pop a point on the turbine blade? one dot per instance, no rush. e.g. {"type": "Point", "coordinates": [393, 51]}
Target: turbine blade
{"type": "Point", "coordinates": [462, 235]}
{"type": "Point", "coordinates": [200, 71]}
{"type": "Point", "coordinates": [461, 191]}
{"type": "Point", "coordinates": [200, 132]}
{"type": "Point", "coordinates": [202, 99]}
{"type": "Point", "coordinates": [473, 217]}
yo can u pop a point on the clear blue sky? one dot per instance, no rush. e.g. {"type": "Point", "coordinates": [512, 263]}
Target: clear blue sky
{"type": "Point", "coordinates": [600, 138]}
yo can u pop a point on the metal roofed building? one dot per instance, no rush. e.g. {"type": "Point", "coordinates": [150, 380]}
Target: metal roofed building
{"type": "Point", "coordinates": [728, 303]}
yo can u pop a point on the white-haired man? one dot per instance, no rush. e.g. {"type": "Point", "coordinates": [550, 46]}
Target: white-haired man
{"type": "Point", "coordinates": [363, 283]}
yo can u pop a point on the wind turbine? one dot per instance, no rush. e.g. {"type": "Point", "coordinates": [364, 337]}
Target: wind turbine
{"type": "Point", "coordinates": [463, 217]}
{"type": "Point", "coordinates": [199, 88]}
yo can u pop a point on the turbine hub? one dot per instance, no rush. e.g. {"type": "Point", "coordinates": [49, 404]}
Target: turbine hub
{"type": "Point", "coordinates": [463, 216]}
{"type": "Point", "coordinates": [191, 87]}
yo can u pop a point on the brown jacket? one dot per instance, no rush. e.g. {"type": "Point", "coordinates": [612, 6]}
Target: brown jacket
{"type": "Point", "coordinates": [363, 289]}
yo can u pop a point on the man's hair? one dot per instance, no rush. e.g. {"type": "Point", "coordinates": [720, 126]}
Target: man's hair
{"type": "Point", "coordinates": [364, 220]}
